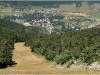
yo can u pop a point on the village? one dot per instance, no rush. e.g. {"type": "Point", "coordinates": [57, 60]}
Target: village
{"type": "Point", "coordinates": [54, 20]}
{"type": "Point", "coordinates": [44, 18]}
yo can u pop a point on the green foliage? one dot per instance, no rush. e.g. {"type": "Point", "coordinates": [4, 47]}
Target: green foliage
{"type": "Point", "coordinates": [10, 25]}
{"type": "Point", "coordinates": [68, 46]}
{"type": "Point", "coordinates": [36, 30]}
{"type": "Point", "coordinates": [9, 34]}
{"type": "Point", "coordinates": [6, 47]}
{"type": "Point", "coordinates": [64, 57]}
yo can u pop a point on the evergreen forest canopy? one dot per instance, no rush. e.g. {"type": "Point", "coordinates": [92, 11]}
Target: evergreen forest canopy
{"type": "Point", "coordinates": [61, 48]}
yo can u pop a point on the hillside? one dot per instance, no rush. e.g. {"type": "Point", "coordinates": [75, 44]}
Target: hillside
{"type": "Point", "coordinates": [10, 25]}
{"type": "Point", "coordinates": [63, 37]}
{"type": "Point", "coordinates": [81, 6]}
{"type": "Point", "coordinates": [85, 7]}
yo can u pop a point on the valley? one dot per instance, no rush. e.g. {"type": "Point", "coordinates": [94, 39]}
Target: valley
{"type": "Point", "coordinates": [49, 37]}
{"type": "Point", "coordinates": [56, 18]}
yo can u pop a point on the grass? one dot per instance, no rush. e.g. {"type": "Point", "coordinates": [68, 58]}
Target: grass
{"type": "Point", "coordinates": [10, 13]}
{"type": "Point", "coordinates": [85, 24]}
{"type": "Point", "coordinates": [59, 27]}
{"type": "Point", "coordinates": [69, 8]}
{"type": "Point", "coordinates": [94, 15]}
{"type": "Point", "coordinates": [31, 63]}
{"type": "Point", "coordinates": [5, 13]}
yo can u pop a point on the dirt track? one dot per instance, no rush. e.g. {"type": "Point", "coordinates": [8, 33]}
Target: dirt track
{"type": "Point", "coordinates": [23, 55]}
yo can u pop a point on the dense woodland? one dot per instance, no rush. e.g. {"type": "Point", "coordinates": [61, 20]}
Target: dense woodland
{"type": "Point", "coordinates": [61, 48]}
{"type": "Point", "coordinates": [81, 45]}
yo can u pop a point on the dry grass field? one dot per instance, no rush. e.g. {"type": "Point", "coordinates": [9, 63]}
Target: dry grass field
{"type": "Point", "coordinates": [68, 8]}
{"type": "Point", "coordinates": [97, 6]}
{"type": "Point", "coordinates": [85, 7]}
{"type": "Point", "coordinates": [30, 63]}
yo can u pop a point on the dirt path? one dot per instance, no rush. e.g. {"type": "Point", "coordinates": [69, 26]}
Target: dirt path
{"type": "Point", "coordinates": [30, 63]}
{"type": "Point", "coordinates": [27, 62]}
{"type": "Point", "coordinates": [77, 14]}
{"type": "Point", "coordinates": [23, 55]}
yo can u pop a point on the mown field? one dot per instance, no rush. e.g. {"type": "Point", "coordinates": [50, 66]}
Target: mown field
{"type": "Point", "coordinates": [31, 63]}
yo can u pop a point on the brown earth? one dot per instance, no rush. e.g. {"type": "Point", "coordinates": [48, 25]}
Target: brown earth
{"type": "Point", "coordinates": [77, 14]}
{"type": "Point", "coordinates": [31, 63]}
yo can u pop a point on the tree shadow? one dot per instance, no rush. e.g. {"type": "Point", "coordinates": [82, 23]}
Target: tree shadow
{"type": "Point", "coordinates": [13, 63]}
{"type": "Point", "coordinates": [4, 65]}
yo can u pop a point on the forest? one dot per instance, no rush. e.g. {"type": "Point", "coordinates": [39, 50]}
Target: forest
{"type": "Point", "coordinates": [69, 46]}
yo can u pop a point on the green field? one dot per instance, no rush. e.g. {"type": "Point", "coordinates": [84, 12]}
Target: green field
{"type": "Point", "coordinates": [85, 24]}
{"type": "Point", "coordinates": [10, 13]}
{"type": "Point", "coordinates": [5, 13]}
{"type": "Point", "coordinates": [94, 15]}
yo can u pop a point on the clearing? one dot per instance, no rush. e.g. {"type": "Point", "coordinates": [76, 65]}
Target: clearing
{"type": "Point", "coordinates": [31, 63]}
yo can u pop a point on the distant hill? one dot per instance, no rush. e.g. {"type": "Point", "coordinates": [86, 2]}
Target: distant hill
{"type": "Point", "coordinates": [84, 7]}
{"type": "Point", "coordinates": [81, 6]}
{"type": "Point", "coordinates": [16, 26]}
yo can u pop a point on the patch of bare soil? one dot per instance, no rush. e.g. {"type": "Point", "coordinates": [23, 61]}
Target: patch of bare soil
{"type": "Point", "coordinates": [77, 14]}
